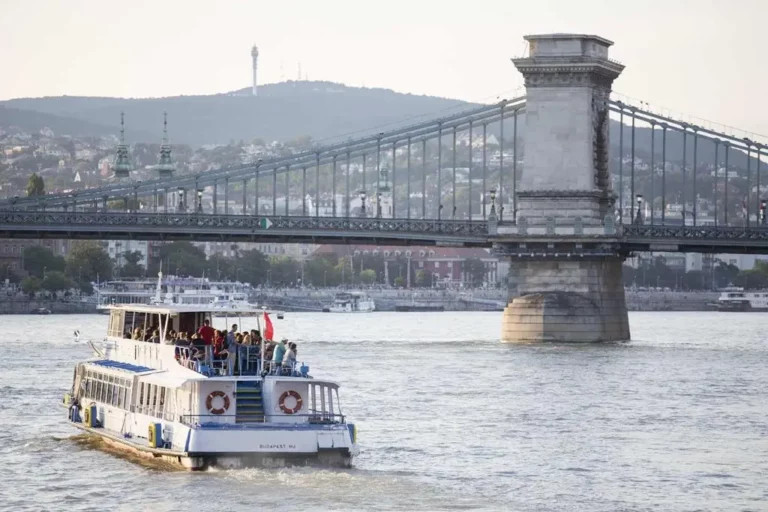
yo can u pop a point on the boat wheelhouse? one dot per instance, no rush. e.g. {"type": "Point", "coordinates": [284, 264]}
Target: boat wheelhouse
{"type": "Point", "coordinates": [193, 407]}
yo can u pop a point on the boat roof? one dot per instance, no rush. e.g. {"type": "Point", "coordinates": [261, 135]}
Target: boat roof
{"type": "Point", "coordinates": [170, 309]}
{"type": "Point", "coordinates": [118, 365]}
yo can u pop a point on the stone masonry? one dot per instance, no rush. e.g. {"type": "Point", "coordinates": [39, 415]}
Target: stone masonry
{"type": "Point", "coordinates": [567, 268]}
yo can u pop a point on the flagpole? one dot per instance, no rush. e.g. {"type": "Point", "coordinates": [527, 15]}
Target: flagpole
{"type": "Point", "coordinates": [263, 340]}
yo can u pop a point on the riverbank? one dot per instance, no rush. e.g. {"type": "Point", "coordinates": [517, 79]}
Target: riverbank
{"type": "Point", "coordinates": [481, 300]}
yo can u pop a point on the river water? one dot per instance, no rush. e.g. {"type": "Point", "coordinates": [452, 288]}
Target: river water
{"type": "Point", "coordinates": [448, 419]}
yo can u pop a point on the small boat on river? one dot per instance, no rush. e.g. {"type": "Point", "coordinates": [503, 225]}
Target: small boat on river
{"type": "Point", "coordinates": [736, 299]}
{"type": "Point", "coordinates": [353, 302]}
{"type": "Point", "coordinates": [196, 410]}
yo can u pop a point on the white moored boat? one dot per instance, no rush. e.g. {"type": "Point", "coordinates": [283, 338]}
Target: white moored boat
{"type": "Point", "coordinates": [351, 303]}
{"type": "Point", "coordinates": [159, 401]}
{"type": "Point", "coordinates": [736, 299]}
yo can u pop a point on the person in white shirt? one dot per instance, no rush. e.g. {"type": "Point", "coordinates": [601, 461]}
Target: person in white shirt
{"type": "Point", "coordinates": [289, 359]}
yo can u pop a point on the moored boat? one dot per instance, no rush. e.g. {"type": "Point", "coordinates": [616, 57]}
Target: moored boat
{"type": "Point", "coordinates": [736, 299]}
{"type": "Point", "coordinates": [197, 410]}
{"type": "Point", "coordinates": [353, 302]}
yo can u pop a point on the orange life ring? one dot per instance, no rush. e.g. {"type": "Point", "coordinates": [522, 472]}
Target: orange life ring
{"type": "Point", "coordinates": [286, 409]}
{"type": "Point", "coordinates": [209, 402]}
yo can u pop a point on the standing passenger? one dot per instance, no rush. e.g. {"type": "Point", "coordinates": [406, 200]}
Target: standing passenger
{"type": "Point", "coordinates": [277, 357]}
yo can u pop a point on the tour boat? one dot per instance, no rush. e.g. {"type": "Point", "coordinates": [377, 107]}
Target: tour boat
{"type": "Point", "coordinates": [172, 290]}
{"type": "Point", "coordinates": [159, 401]}
{"type": "Point", "coordinates": [351, 303]}
{"type": "Point", "coordinates": [736, 299]}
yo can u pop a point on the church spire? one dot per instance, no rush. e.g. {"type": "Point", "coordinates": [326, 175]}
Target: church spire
{"type": "Point", "coordinates": [165, 166]}
{"type": "Point", "coordinates": [122, 163]}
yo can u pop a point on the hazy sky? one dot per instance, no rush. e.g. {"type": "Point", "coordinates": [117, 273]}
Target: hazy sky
{"type": "Point", "coordinates": [703, 58]}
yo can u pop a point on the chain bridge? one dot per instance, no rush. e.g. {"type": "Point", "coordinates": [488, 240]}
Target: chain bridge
{"type": "Point", "coordinates": [553, 179]}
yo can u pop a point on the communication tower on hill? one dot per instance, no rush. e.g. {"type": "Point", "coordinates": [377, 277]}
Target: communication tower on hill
{"type": "Point", "coordinates": [255, 60]}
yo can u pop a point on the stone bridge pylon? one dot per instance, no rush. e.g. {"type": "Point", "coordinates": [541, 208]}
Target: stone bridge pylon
{"type": "Point", "coordinates": [566, 259]}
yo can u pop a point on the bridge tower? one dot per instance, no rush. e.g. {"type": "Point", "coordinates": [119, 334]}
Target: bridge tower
{"type": "Point", "coordinates": [165, 167]}
{"type": "Point", "coordinates": [566, 269]}
{"type": "Point", "coordinates": [122, 164]}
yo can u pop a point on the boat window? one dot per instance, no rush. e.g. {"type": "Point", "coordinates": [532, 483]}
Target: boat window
{"type": "Point", "coordinates": [161, 402]}
{"type": "Point", "coordinates": [116, 321]}
{"type": "Point", "coordinates": [141, 395]}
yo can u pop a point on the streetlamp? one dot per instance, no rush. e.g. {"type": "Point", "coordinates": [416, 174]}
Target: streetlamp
{"type": "Point", "coordinates": [362, 203]}
{"type": "Point", "coordinates": [762, 212]}
{"type": "Point", "coordinates": [378, 205]}
{"type": "Point", "coordinates": [199, 201]}
{"type": "Point", "coordinates": [493, 203]}
{"type": "Point", "coordinates": [639, 215]}
{"type": "Point", "coordinates": [181, 199]}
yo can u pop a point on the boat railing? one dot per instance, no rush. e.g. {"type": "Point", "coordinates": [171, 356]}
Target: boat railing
{"type": "Point", "coordinates": [227, 420]}
{"type": "Point", "coordinates": [247, 362]}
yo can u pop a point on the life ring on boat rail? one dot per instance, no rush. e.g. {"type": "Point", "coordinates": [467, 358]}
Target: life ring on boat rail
{"type": "Point", "coordinates": [285, 408]}
{"type": "Point", "coordinates": [209, 402]}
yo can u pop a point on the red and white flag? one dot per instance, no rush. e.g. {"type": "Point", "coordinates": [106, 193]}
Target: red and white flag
{"type": "Point", "coordinates": [269, 331]}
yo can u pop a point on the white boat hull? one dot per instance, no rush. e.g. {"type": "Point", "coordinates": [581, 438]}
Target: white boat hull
{"type": "Point", "coordinates": [264, 454]}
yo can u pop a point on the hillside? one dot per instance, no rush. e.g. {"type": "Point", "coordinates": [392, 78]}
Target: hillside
{"type": "Point", "coordinates": [282, 112]}
{"type": "Point", "coordinates": [33, 120]}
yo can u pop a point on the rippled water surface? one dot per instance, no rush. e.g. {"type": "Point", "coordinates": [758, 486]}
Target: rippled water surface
{"type": "Point", "coordinates": [448, 418]}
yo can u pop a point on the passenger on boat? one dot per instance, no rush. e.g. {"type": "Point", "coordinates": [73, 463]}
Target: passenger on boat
{"type": "Point", "coordinates": [278, 355]}
{"type": "Point", "coordinates": [207, 332]}
{"type": "Point", "coordinates": [289, 359]}
{"type": "Point", "coordinates": [231, 335]}
{"type": "Point", "coordinates": [155, 337]}
{"type": "Point", "coordinates": [137, 334]}
{"type": "Point", "coordinates": [218, 342]}
{"type": "Point", "coordinates": [232, 348]}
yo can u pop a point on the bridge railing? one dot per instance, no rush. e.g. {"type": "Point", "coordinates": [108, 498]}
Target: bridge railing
{"type": "Point", "coordinates": [191, 222]}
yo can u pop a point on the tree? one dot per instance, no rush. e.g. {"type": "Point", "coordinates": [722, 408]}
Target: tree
{"type": "Point", "coordinates": [399, 281]}
{"type": "Point", "coordinates": [421, 278]}
{"type": "Point", "coordinates": [222, 267]}
{"type": "Point", "coordinates": [39, 259]}
{"type": "Point", "coordinates": [30, 286]}
{"type": "Point", "coordinates": [323, 270]}
{"type": "Point", "coordinates": [132, 267]}
{"type": "Point", "coordinates": [253, 266]}
{"type": "Point", "coordinates": [35, 186]}
{"type": "Point", "coordinates": [751, 279]}
{"type": "Point", "coordinates": [474, 271]}
{"type": "Point", "coordinates": [283, 271]}
{"type": "Point", "coordinates": [56, 281]}
{"type": "Point", "coordinates": [88, 262]}
{"type": "Point", "coordinates": [181, 258]}
{"type": "Point", "coordinates": [368, 276]}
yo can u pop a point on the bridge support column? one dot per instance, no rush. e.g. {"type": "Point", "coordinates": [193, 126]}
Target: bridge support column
{"type": "Point", "coordinates": [566, 300]}
{"type": "Point", "coordinates": [566, 256]}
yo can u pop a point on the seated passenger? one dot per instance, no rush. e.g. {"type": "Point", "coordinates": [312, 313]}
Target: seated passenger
{"type": "Point", "coordinates": [155, 337]}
